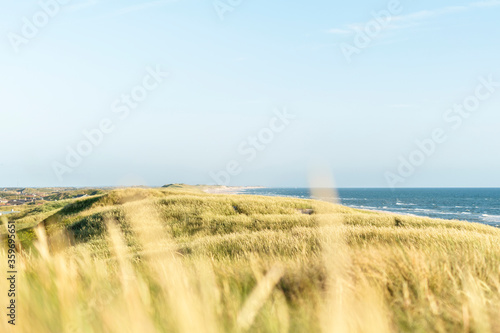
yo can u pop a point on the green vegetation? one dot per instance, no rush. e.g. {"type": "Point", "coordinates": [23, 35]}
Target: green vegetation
{"type": "Point", "coordinates": [176, 259]}
{"type": "Point", "coordinates": [64, 195]}
{"type": "Point", "coordinates": [182, 187]}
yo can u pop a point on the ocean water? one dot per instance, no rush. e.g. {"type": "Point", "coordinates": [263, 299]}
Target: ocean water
{"type": "Point", "coordinates": [467, 204]}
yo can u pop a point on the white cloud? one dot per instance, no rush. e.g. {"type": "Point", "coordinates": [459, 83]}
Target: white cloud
{"type": "Point", "coordinates": [426, 14]}
{"type": "Point", "coordinates": [490, 3]}
{"type": "Point", "coordinates": [413, 19]}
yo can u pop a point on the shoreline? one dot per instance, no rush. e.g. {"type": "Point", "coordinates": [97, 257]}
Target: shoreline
{"type": "Point", "coordinates": [237, 190]}
{"type": "Point", "coordinates": [229, 189]}
{"type": "Point", "coordinates": [482, 217]}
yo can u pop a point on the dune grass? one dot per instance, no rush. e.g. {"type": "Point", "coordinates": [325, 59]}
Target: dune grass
{"type": "Point", "coordinates": [179, 260]}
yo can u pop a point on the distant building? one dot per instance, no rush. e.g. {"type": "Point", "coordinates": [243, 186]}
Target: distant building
{"type": "Point", "coordinates": [17, 202]}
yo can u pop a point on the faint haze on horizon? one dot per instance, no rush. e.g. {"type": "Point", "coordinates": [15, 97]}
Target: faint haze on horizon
{"type": "Point", "coordinates": [228, 77]}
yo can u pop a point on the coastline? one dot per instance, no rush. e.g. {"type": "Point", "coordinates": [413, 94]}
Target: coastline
{"type": "Point", "coordinates": [238, 190]}
{"type": "Point", "coordinates": [228, 189]}
{"type": "Point", "coordinates": [231, 237]}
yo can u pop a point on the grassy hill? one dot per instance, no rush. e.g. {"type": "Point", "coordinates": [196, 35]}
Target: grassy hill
{"type": "Point", "coordinates": [176, 259]}
{"type": "Point", "coordinates": [69, 194]}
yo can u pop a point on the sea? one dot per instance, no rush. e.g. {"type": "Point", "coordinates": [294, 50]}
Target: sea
{"type": "Point", "coordinates": [467, 204]}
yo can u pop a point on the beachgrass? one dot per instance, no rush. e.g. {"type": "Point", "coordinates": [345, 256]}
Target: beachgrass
{"type": "Point", "coordinates": [179, 260]}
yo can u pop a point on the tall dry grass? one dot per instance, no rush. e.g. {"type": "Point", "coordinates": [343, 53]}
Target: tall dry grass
{"type": "Point", "coordinates": [173, 261]}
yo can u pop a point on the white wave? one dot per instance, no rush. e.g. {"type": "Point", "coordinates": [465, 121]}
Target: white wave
{"type": "Point", "coordinates": [424, 210]}
{"type": "Point", "coordinates": [399, 203]}
{"type": "Point", "coordinates": [364, 207]}
{"type": "Point", "coordinates": [491, 218]}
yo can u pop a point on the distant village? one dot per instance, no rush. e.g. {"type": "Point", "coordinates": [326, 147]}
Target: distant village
{"type": "Point", "coordinates": [23, 196]}
{"type": "Point", "coordinates": [14, 197]}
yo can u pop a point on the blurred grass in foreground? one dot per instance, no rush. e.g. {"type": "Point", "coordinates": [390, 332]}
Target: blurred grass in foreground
{"type": "Point", "coordinates": [177, 260]}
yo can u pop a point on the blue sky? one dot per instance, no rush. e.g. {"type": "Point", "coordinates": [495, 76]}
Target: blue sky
{"type": "Point", "coordinates": [227, 77]}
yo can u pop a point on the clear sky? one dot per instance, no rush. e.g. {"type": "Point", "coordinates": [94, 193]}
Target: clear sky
{"type": "Point", "coordinates": [359, 100]}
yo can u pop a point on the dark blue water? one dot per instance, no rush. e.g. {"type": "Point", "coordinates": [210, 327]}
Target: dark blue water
{"type": "Point", "coordinates": [469, 204]}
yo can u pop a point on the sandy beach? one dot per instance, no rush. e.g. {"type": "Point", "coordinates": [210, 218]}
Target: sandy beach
{"type": "Point", "coordinates": [228, 189]}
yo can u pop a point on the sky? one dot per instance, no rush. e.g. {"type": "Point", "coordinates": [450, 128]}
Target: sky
{"type": "Point", "coordinates": [381, 93]}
